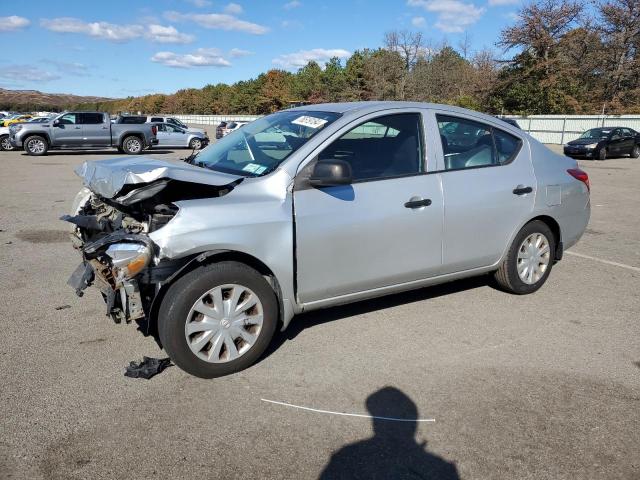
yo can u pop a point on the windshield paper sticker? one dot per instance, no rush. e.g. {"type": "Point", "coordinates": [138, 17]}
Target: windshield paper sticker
{"type": "Point", "coordinates": [310, 122]}
{"type": "Point", "coordinates": [254, 168]}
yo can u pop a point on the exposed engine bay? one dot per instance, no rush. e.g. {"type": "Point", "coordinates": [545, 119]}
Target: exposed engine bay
{"type": "Point", "coordinates": [118, 255]}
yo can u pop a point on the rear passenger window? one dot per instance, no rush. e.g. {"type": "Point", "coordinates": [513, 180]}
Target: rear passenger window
{"type": "Point", "coordinates": [92, 118]}
{"type": "Point", "coordinates": [468, 144]}
{"type": "Point", "coordinates": [389, 146]}
{"type": "Point", "coordinates": [157, 119]}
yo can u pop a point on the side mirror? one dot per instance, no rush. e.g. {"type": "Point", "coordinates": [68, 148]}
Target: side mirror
{"type": "Point", "coordinates": [330, 172]}
{"type": "Point", "coordinates": [56, 123]}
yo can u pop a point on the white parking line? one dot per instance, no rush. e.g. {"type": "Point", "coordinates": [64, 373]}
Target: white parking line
{"type": "Point", "coordinates": [351, 414]}
{"type": "Point", "coordinates": [608, 262]}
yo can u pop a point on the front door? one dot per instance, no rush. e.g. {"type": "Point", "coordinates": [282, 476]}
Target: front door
{"type": "Point", "coordinates": [489, 188]}
{"type": "Point", "coordinates": [383, 229]}
{"type": "Point", "coordinates": [68, 130]}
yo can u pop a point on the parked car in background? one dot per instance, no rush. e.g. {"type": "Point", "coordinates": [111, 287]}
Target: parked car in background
{"type": "Point", "coordinates": [318, 206]}
{"type": "Point", "coordinates": [5, 142]}
{"type": "Point", "coordinates": [510, 121]}
{"type": "Point", "coordinates": [220, 129]}
{"type": "Point", "coordinates": [6, 122]}
{"type": "Point", "coordinates": [172, 136]}
{"type": "Point", "coordinates": [172, 121]}
{"type": "Point", "coordinates": [82, 130]}
{"type": "Point", "coordinates": [600, 143]}
{"type": "Point", "coordinates": [231, 127]}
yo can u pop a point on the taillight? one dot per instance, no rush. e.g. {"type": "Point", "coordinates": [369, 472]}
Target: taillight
{"type": "Point", "coordinates": [580, 175]}
{"type": "Point", "coordinates": [154, 129]}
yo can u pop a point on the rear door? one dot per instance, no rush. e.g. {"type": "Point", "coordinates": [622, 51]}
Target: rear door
{"type": "Point", "coordinates": [68, 130]}
{"type": "Point", "coordinates": [95, 128]}
{"type": "Point", "coordinates": [489, 189]}
{"type": "Point", "coordinates": [363, 236]}
{"type": "Point", "coordinates": [629, 141]}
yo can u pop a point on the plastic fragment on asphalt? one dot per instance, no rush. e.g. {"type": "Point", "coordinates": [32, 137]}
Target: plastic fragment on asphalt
{"type": "Point", "coordinates": [63, 307]}
{"type": "Point", "coordinates": [147, 368]}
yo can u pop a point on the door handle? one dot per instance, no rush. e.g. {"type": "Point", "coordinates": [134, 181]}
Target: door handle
{"type": "Point", "coordinates": [77, 128]}
{"type": "Point", "coordinates": [521, 190]}
{"type": "Point", "coordinates": [415, 202]}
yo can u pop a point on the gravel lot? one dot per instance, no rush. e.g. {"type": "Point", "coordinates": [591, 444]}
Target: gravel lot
{"type": "Point", "coordinates": [542, 386]}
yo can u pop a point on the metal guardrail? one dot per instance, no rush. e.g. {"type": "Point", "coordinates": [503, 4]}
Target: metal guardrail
{"type": "Point", "coordinates": [560, 129]}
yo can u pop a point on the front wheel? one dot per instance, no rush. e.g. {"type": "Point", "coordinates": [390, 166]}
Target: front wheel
{"type": "Point", "coordinates": [635, 153]}
{"type": "Point", "coordinates": [218, 319]}
{"type": "Point", "coordinates": [529, 260]}
{"type": "Point", "coordinates": [132, 145]}
{"type": "Point", "coordinates": [36, 145]}
{"type": "Point", "coordinates": [5, 143]}
{"type": "Point", "coordinates": [602, 154]}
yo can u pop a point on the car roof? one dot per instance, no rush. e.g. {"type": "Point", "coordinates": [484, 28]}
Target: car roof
{"type": "Point", "coordinates": [363, 108]}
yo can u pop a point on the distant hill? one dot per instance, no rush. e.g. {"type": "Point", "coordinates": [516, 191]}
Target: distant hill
{"type": "Point", "coordinates": [27, 100]}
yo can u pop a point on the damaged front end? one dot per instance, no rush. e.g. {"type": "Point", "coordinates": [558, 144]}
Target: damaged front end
{"type": "Point", "coordinates": [113, 216]}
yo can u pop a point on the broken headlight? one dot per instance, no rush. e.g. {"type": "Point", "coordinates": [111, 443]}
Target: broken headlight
{"type": "Point", "coordinates": [128, 259]}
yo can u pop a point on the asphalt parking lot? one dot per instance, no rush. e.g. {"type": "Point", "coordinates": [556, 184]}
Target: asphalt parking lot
{"type": "Point", "coordinates": [545, 386]}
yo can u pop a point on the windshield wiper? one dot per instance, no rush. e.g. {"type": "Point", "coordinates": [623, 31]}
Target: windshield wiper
{"type": "Point", "coordinates": [190, 159]}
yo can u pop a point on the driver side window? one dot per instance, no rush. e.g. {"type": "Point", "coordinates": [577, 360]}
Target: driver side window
{"type": "Point", "coordinates": [68, 119]}
{"type": "Point", "coordinates": [384, 147]}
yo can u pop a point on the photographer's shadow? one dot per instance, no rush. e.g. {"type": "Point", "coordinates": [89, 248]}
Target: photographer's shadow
{"type": "Point", "coordinates": [392, 453]}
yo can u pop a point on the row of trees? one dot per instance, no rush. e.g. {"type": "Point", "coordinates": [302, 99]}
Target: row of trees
{"type": "Point", "coordinates": [566, 58]}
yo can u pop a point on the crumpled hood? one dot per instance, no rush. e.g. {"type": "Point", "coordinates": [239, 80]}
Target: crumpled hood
{"type": "Point", "coordinates": [107, 177]}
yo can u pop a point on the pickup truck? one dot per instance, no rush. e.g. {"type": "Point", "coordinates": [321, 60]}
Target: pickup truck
{"type": "Point", "coordinates": [82, 130]}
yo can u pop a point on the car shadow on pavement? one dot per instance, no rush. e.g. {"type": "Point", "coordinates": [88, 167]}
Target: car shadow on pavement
{"type": "Point", "coordinates": [392, 452]}
{"type": "Point", "coordinates": [318, 317]}
{"type": "Point", "coordinates": [97, 152]}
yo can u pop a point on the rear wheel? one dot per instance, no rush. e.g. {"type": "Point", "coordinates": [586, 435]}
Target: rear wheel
{"type": "Point", "coordinates": [529, 260]}
{"type": "Point", "coordinates": [635, 153]}
{"type": "Point", "coordinates": [602, 154]}
{"type": "Point", "coordinates": [132, 145]}
{"type": "Point", "coordinates": [36, 145]}
{"type": "Point", "coordinates": [5, 144]}
{"type": "Point", "coordinates": [218, 319]}
{"type": "Point", "coordinates": [195, 144]}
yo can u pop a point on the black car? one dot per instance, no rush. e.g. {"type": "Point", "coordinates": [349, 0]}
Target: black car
{"type": "Point", "coordinates": [605, 142]}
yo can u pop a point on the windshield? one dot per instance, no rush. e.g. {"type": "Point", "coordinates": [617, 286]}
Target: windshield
{"type": "Point", "coordinates": [260, 146]}
{"type": "Point", "coordinates": [596, 133]}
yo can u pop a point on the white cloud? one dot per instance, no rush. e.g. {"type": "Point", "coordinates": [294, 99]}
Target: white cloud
{"type": "Point", "coordinates": [512, 16]}
{"type": "Point", "coordinates": [13, 23]}
{"type": "Point", "coordinates": [219, 21]}
{"type": "Point", "coordinates": [26, 73]}
{"type": "Point", "coordinates": [418, 22]}
{"type": "Point", "coordinates": [161, 34]}
{"type": "Point", "coordinates": [101, 30]}
{"type": "Point", "coordinates": [494, 3]}
{"type": "Point", "coordinates": [200, 3]}
{"type": "Point", "coordinates": [238, 52]}
{"type": "Point", "coordinates": [301, 58]}
{"type": "Point", "coordinates": [453, 16]}
{"type": "Point", "coordinates": [233, 9]}
{"type": "Point", "coordinates": [292, 4]}
{"type": "Point", "coordinates": [202, 57]}
{"type": "Point", "coordinates": [70, 68]}
{"type": "Point", "coordinates": [117, 33]}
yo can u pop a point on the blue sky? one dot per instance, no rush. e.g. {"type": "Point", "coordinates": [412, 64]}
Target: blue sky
{"type": "Point", "coordinates": [119, 48]}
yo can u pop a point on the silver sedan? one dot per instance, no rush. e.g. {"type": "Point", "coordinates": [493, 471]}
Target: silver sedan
{"type": "Point", "coordinates": [319, 206]}
{"type": "Point", "coordinates": [173, 136]}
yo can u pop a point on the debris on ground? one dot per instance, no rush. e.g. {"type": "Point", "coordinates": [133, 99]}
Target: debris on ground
{"type": "Point", "coordinates": [149, 367]}
{"type": "Point", "coordinates": [63, 307]}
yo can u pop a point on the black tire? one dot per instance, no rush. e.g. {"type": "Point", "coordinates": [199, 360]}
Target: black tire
{"type": "Point", "coordinates": [635, 152]}
{"type": "Point", "coordinates": [196, 144]}
{"type": "Point", "coordinates": [36, 145]}
{"type": "Point", "coordinates": [5, 144]}
{"type": "Point", "coordinates": [132, 145]}
{"type": "Point", "coordinates": [507, 275]}
{"type": "Point", "coordinates": [602, 153]}
{"type": "Point", "coordinates": [184, 293]}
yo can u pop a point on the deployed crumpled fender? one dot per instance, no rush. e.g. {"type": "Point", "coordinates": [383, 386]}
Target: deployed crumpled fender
{"type": "Point", "coordinates": [108, 177]}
